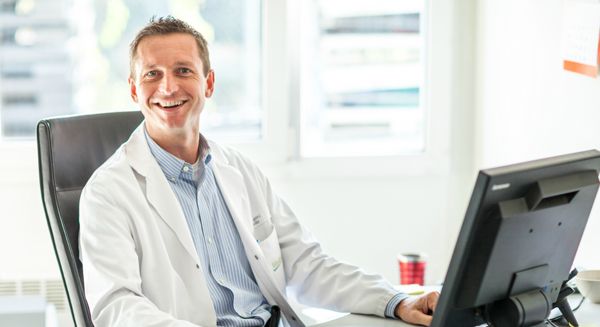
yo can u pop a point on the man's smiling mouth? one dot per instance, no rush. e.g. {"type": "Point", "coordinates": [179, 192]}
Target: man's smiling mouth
{"type": "Point", "coordinates": [170, 104]}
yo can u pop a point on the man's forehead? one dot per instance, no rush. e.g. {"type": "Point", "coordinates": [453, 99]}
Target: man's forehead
{"type": "Point", "coordinates": [174, 49]}
{"type": "Point", "coordinates": [176, 43]}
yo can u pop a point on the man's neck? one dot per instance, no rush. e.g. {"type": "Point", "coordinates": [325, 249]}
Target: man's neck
{"type": "Point", "coordinates": [183, 146]}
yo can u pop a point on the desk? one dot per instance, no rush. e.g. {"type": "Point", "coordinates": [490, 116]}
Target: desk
{"type": "Point", "coordinates": [588, 316]}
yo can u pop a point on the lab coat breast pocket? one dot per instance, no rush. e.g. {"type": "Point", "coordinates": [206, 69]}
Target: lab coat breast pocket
{"type": "Point", "coordinates": [272, 252]}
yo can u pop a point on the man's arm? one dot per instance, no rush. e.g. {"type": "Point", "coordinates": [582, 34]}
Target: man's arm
{"type": "Point", "coordinates": [111, 266]}
{"type": "Point", "coordinates": [313, 277]}
{"type": "Point", "coordinates": [348, 288]}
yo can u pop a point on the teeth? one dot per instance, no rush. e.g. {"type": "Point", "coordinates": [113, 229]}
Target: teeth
{"type": "Point", "coordinates": [170, 103]}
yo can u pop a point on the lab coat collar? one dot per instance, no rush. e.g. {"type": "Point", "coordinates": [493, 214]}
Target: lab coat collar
{"type": "Point", "coordinates": [231, 183]}
{"type": "Point", "coordinates": [158, 190]}
{"type": "Point", "coordinates": [232, 186]}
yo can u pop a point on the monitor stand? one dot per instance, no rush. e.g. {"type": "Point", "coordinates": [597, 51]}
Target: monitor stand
{"type": "Point", "coordinates": [525, 309]}
{"type": "Point", "coordinates": [531, 308]}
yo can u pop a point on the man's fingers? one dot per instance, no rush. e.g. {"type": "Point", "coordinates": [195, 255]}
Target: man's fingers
{"type": "Point", "coordinates": [418, 317]}
{"type": "Point", "coordinates": [428, 302]}
{"type": "Point", "coordinates": [433, 300]}
{"type": "Point", "coordinates": [424, 304]}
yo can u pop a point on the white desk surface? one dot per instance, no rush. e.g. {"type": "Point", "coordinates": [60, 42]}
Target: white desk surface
{"type": "Point", "coordinates": [353, 320]}
{"type": "Point", "coordinates": [589, 313]}
{"type": "Point", "coordinates": [588, 316]}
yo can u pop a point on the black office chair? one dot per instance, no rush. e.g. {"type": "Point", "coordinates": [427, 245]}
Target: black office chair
{"type": "Point", "coordinates": [69, 151]}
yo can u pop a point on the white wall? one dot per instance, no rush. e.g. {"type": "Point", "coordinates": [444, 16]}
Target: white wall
{"type": "Point", "coordinates": [25, 248]}
{"type": "Point", "coordinates": [527, 106]}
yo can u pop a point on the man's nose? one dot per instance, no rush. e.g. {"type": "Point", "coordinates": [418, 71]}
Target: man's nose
{"type": "Point", "coordinates": [168, 85]}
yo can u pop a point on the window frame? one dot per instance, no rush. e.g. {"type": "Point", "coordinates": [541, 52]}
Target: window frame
{"type": "Point", "coordinates": [436, 101]}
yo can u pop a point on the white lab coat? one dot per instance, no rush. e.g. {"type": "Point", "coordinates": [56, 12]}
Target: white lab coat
{"type": "Point", "coordinates": [140, 265]}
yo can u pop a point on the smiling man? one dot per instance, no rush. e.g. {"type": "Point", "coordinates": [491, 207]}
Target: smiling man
{"type": "Point", "coordinates": [180, 231]}
{"type": "Point", "coordinates": [170, 82]}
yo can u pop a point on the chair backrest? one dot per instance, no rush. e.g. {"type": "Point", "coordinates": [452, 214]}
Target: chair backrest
{"type": "Point", "coordinates": [70, 149]}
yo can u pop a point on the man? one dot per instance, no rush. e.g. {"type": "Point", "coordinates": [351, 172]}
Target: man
{"type": "Point", "coordinates": [179, 231]}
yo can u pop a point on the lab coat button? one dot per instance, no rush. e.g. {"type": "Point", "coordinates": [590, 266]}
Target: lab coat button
{"type": "Point", "coordinates": [198, 266]}
{"type": "Point", "coordinates": [255, 256]}
{"type": "Point", "coordinates": [210, 240]}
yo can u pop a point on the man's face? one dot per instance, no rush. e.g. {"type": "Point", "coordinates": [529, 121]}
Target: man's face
{"type": "Point", "coordinates": [169, 84]}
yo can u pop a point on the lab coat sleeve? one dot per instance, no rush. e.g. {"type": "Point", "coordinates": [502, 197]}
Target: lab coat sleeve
{"type": "Point", "coordinates": [111, 265]}
{"type": "Point", "coordinates": [315, 278]}
{"type": "Point", "coordinates": [320, 280]}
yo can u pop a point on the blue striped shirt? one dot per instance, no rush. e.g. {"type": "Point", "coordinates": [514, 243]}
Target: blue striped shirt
{"type": "Point", "coordinates": [236, 296]}
{"type": "Point", "coordinates": [237, 299]}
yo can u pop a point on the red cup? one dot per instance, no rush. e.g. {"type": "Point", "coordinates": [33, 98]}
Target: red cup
{"type": "Point", "coordinates": [412, 269]}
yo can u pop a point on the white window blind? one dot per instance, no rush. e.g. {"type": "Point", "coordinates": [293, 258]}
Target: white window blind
{"type": "Point", "coordinates": [362, 78]}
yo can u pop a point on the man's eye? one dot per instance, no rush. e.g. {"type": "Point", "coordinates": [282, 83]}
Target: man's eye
{"type": "Point", "coordinates": [152, 73]}
{"type": "Point", "coordinates": [184, 70]}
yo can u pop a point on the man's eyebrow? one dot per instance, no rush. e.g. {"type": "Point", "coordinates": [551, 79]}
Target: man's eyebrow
{"type": "Point", "coordinates": [177, 64]}
{"type": "Point", "coordinates": [184, 63]}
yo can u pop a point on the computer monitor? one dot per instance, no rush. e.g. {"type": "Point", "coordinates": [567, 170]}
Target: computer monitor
{"type": "Point", "coordinates": [518, 241]}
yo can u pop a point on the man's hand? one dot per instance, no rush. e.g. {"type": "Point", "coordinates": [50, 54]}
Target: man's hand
{"type": "Point", "coordinates": [418, 309]}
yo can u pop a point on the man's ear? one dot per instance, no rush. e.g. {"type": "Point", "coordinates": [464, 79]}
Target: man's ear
{"type": "Point", "coordinates": [132, 89]}
{"type": "Point", "coordinates": [210, 84]}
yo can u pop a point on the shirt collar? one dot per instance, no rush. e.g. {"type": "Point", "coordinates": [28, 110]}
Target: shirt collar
{"type": "Point", "coordinates": [170, 164]}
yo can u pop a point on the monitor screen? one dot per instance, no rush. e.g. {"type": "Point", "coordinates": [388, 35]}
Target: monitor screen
{"type": "Point", "coordinates": [518, 241]}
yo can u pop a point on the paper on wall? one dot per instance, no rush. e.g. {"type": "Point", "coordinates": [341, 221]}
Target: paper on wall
{"type": "Point", "coordinates": [581, 31]}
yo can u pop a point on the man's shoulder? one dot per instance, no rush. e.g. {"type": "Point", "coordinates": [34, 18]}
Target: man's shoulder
{"type": "Point", "coordinates": [111, 170]}
{"type": "Point", "coordinates": [226, 154]}
{"type": "Point", "coordinates": [119, 163]}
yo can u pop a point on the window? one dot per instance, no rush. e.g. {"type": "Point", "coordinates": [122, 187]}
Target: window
{"type": "Point", "coordinates": [362, 77]}
{"type": "Point", "coordinates": [348, 77]}
{"type": "Point", "coordinates": [35, 65]}
{"type": "Point", "coordinates": [59, 60]}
